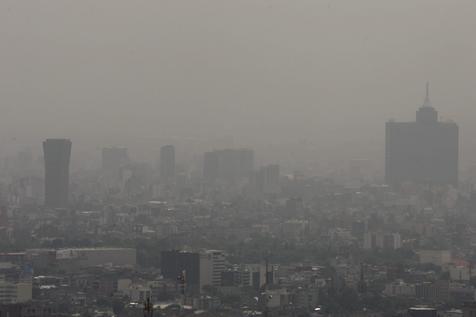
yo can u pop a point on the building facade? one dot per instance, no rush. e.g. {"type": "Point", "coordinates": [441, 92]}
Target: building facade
{"type": "Point", "coordinates": [167, 164]}
{"type": "Point", "coordinates": [422, 152]}
{"type": "Point", "coordinates": [57, 154]}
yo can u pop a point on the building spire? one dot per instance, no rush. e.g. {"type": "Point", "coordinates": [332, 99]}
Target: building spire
{"type": "Point", "coordinates": [427, 102]}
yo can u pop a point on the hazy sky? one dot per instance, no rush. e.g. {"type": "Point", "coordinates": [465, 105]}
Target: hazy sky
{"type": "Point", "coordinates": [330, 72]}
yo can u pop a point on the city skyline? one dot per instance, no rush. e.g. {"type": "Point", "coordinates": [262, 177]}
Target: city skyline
{"type": "Point", "coordinates": [316, 66]}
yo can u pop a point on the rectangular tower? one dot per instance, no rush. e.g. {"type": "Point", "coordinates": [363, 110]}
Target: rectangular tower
{"type": "Point", "coordinates": [167, 164]}
{"type": "Point", "coordinates": [424, 151]}
{"type": "Point", "coordinates": [57, 154]}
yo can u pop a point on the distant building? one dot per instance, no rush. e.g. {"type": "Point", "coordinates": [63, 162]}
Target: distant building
{"type": "Point", "coordinates": [114, 160]}
{"type": "Point", "coordinates": [433, 291]}
{"type": "Point", "coordinates": [380, 240]}
{"type": "Point", "coordinates": [57, 154]}
{"type": "Point", "coordinates": [255, 275]}
{"type": "Point", "coordinates": [14, 292]}
{"type": "Point", "coordinates": [167, 164]}
{"type": "Point", "coordinates": [30, 309]}
{"type": "Point", "coordinates": [399, 288]}
{"type": "Point", "coordinates": [199, 269]}
{"type": "Point", "coordinates": [422, 152]}
{"type": "Point", "coordinates": [175, 263]}
{"type": "Point", "coordinates": [212, 265]}
{"type": "Point", "coordinates": [230, 165]}
{"type": "Point", "coordinates": [267, 179]}
{"type": "Point", "coordinates": [436, 257]}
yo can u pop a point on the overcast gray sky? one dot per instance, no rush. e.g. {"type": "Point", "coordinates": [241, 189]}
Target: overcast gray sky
{"type": "Point", "coordinates": [265, 71]}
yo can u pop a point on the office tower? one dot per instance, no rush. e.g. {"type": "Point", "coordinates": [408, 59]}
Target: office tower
{"type": "Point", "coordinates": [230, 165]}
{"type": "Point", "coordinates": [167, 164]}
{"type": "Point", "coordinates": [422, 152]}
{"type": "Point", "coordinates": [57, 153]}
{"type": "Point", "coordinates": [212, 265]}
{"type": "Point", "coordinates": [267, 179]}
{"type": "Point", "coordinates": [114, 158]}
{"type": "Point", "coordinates": [175, 263]}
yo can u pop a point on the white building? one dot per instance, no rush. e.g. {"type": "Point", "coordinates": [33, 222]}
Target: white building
{"type": "Point", "coordinates": [399, 288]}
{"type": "Point", "coordinates": [15, 292]}
{"type": "Point", "coordinates": [380, 240]}
{"type": "Point", "coordinates": [212, 264]}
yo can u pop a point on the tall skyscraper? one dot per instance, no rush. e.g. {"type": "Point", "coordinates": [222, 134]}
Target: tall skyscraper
{"type": "Point", "coordinates": [424, 151]}
{"type": "Point", "coordinates": [57, 154]}
{"type": "Point", "coordinates": [167, 164]}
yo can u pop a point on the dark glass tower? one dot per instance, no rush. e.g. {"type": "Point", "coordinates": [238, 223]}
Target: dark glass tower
{"type": "Point", "coordinates": [57, 154]}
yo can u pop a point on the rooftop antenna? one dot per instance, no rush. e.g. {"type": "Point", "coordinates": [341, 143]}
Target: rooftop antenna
{"type": "Point", "coordinates": [427, 102]}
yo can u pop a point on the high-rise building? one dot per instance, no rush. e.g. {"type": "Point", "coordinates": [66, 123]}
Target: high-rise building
{"type": "Point", "coordinates": [114, 159]}
{"type": "Point", "coordinates": [57, 154]}
{"type": "Point", "coordinates": [212, 265]}
{"type": "Point", "coordinates": [424, 151]}
{"type": "Point", "coordinates": [167, 164]}
{"type": "Point", "coordinates": [267, 179]}
{"type": "Point", "coordinates": [175, 263]}
{"type": "Point", "coordinates": [229, 165]}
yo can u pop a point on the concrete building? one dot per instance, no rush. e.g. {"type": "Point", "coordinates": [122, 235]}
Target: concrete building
{"type": "Point", "coordinates": [437, 257]}
{"type": "Point", "coordinates": [175, 263]}
{"type": "Point", "coordinates": [267, 180]}
{"type": "Point", "coordinates": [13, 292]}
{"type": "Point", "coordinates": [167, 164]}
{"type": "Point", "coordinates": [114, 159]}
{"type": "Point", "coordinates": [399, 288]}
{"type": "Point", "coordinates": [381, 240]}
{"type": "Point", "coordinates": [422, 152]}
{"type": "Point", "coordinates": [212, 265]}
{"type": "Point", "coordinates": [57, 154]}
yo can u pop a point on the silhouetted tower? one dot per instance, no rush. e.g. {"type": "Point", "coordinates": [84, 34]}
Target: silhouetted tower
{"type": "Point", "coordinates": [167, 164]}
{"type": "Point", "coordinates": [57, 154]}
{"type": "Point", "coordinates": [424, 151]}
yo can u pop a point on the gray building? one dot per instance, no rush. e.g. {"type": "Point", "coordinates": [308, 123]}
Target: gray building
{"type": "Point", "coordinates": [424, 151]}
{"type": "Point", "coordinates": [267, 179]}
{"type": "Point", "coordinates": [167, 164]}
{"type": "Point", "coordinates": [57, 154]}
